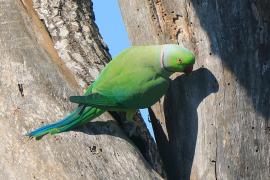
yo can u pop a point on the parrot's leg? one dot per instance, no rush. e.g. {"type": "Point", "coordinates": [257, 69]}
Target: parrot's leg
{"type": "Point", "coordinates": [130, 122]}
{"type": "Point", "coordinates": [130, 113]}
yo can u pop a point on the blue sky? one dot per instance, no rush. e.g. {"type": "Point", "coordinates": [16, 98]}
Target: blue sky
{"type": "Point", "coordinates": [111, 26]}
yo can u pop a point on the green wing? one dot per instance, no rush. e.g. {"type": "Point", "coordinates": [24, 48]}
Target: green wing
{"type": "Point", "coordinates": [95, 100]}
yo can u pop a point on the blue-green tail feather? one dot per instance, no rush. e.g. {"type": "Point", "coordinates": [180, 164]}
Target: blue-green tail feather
{"type": "Point", "coordinates": [78, 117]}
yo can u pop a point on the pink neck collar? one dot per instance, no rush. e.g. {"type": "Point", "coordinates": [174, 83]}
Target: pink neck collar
{"type": "Point", "coordinates": [161, 61]}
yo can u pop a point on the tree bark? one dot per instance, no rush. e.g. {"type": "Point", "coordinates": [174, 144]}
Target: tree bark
{"type": "Point", "coordinates": [217, 119]}
{"type": "Point", "coordinates": [36, 80]}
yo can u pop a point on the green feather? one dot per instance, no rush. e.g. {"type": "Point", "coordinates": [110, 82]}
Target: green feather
{"type": "Point", "coordinates": [95, 100]}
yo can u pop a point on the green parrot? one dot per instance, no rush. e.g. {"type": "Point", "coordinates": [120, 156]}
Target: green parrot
{"type": "Point", "coordinates": [136, 78]}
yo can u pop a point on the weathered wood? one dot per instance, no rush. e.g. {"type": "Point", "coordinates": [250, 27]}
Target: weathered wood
{"type": "Point", "coordinates": [224, 135]}
{"type": "Point", "coordinates": [35, 85]}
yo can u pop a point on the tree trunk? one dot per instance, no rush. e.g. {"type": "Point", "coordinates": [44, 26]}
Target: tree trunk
{"type": "Point", "coordinates": [217, 119]}
{"type": "Point", "coordinates": [35, 83]}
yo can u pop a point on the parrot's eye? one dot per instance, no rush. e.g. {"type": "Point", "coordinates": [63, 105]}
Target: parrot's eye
{"type": "Point", "coordinates": [179, 61]}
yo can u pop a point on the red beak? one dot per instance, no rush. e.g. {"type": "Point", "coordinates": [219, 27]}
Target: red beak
{"type": "Point", "coordinates": [188, 70]}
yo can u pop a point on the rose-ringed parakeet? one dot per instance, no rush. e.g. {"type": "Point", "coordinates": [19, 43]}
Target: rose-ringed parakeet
{"type": "Point", "coordinates": [136, 78]}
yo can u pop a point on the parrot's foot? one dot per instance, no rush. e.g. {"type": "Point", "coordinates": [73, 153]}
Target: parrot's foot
{"type": "Point", "coordinates": [131, 127]}
{"type": "Point", "coordinates": [130, 124]}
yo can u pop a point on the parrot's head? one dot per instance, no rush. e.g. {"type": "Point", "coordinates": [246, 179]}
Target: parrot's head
{"type": "Point", "coordinates": [177, 58]}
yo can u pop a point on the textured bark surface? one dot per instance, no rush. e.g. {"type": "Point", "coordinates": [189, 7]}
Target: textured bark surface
{"type": "Point", "coordinates": [75, 35]}
{"type": "Point", "coordinates": [35, 85]}
{"type": "Point", "coordinates": [217, 119]}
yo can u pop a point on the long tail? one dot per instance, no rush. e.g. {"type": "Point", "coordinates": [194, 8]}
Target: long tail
{"type": "Point", "coordinates": [76, 118]}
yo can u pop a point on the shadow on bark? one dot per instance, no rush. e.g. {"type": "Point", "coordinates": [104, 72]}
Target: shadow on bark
{"type": "Point", "coordinates": [118, 129]}
{"type": "Point", "coordinates": [241, 39]}
{"type": "Point", "coordinates": [186, 93]}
